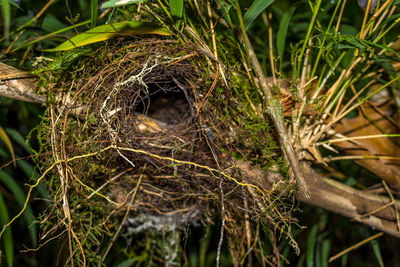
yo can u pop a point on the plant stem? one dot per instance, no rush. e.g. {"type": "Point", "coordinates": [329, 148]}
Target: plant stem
{"type": "Point", "coordinates": [275, 112]}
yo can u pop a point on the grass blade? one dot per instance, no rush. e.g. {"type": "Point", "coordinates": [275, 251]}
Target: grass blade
{"type": "Point", "coordinates": [204, 247]}
{"type": "Point", "coordinates": [326, 247]}
{"type": "Point", "coordinates": [94, 12]}
{"type": "Point", "coordinates": [254, 10]}
{"type": "Point", "coordinates": [126, 263]}
{"type": "Point", "coordinates": [19, 139]}
{"type": "Point", "coordinates": [377, 252]}
{"type": "Point", "coordinates": [106, 32]}
{"type": "Point", "coordinates": [300, 263]}
{"type": "Point", "coordinates": [308, 34]}
{"type": "Point", "coordinates": [311, 246]}
{"type": "Point", "coordinates": [31, 173]}
{"type": "Point", "coordinates": [282, 32]}
{"type": "Point", "coordinates": [3, 153]}
{"type": "Point", "coordinates": [7, 237]}
{"type": "Point", "coordinates": [14, 188]}
{"type": "Point", "coordinates": [344, 260]}
{"type": "Point", "coordinates": [47, 36]}
{"type": "Point", "coordinates": [14, 4]}
{"type": "Point", "coordinates": [176, 7]}
{"type": "Point", "coordinates": [6, 11]}
{"type": "Point", "coordinates": [7, 142]}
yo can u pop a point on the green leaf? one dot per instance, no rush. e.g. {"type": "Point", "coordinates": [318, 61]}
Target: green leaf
{"type": "Point", "coordinates": [7, 237]}
{"type": "Point", "coordinates": [6, 11]}
{"type": "Point", "coordinates": [3, 153]}
{"type": "Point", "coordinates": [204, 246]}
{"type": "Point", "coordinates": [377, 252]}
{"type": "Point", "coordinates": [176, 7]}
{"type": "Point", "coordinates": [389, 21]}
{"type": "Point", "coordinates": [14, 188]}
{"type": "Point", "coordinates": [51, 23]}
{"type": "Point", "coordinates": [300, 263]}
{"type": "Point", "coordinates": [344, 260]}
{"type": "Point", "coordinates": [326, 247]}
{"type": "Point", "coordinates": [105, 32]}
{"type": "Point", "coordinates": [31, 173]}
{"type": "Point", "coordinates": [383, 47]}
{"type": "Point", "coordinates": [254, 10]}
{"type": "Point", "coordinates": [94, 12]}
{"type": "Point", "coordinates": [6, 140]}
{"type": "Point", "coordinates": [351, 40]}
{"type": "Point", "coordinates": [282, 32]}
{"type": "Point", "coordinates": [126, 263]}
{"type": "Point", "coordinates": [311, 246]}
{"type": "Point", "coordinates": [116, 3]}
{"type": "Point", "coordinates": [52, 34]}
{"type": "Point", "coordinates": [13, 3]}
{"type": "Point", "coordinates": [19, 139]}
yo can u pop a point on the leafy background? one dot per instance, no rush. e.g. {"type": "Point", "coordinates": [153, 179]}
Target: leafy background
{"type": "Point", "coordinates": [324, 233]}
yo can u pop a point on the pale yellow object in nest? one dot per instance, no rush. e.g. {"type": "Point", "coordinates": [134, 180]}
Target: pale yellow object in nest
{"type": "Point", "coordinates": [147, 124]}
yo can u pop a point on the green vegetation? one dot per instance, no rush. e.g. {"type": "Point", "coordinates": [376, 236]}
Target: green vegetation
{"type": "Point", "coordinates": [104, 191]}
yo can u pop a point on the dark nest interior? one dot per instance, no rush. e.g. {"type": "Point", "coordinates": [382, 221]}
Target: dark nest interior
{"type": "Point", "coordinates": [141, 146]}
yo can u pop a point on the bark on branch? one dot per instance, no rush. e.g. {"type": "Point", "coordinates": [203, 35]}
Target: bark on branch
{"type": "Point", "coordinates": [18, 85]}
{"type": "Point", "coordinates": [337, 197]}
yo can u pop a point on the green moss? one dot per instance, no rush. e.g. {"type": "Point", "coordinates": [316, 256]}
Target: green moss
{"type": "Point", "coordinates": [95, 220]}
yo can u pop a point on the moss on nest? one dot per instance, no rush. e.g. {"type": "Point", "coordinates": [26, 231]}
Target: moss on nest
{"type": "Point", "coordinates": [142, 133]}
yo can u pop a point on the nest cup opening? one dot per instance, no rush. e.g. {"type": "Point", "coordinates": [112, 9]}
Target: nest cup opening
{"type": "Point", "coordinates": [167, 104]}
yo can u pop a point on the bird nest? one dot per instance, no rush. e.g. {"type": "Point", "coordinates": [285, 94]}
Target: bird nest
{"type": "Point", "coordinates": [140, 142]}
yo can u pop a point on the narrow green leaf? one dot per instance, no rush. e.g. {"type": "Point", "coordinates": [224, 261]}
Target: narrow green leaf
{"type": "Point", "coordinates": [344, 260]}
{"type": "Point", "coordinates": [14, 188]}
{"type": "Point", "coordinates": [176, 7]}
{"type": "Point", "coordinates": [3, 153]}
{"type": "Point", "coordinates": [7, 142]}
{"type": "Point", "coordinates": [19, 139]}
{"type": "Point", "coordinates": [389, 21]}
{"type": "Point", "coordinates": [282, 32]}
{"type": "Point", "coordinates": [116, 3]}
{"type": "Point", "coordinates": [31, 173]}
{"type": "Point", "coordinates": [300, 263]}
{"type": "Point", "coordinates": [51, 23]}
{"type": "Point", "coordinates": [7, 236]}
{"type": "Point", "coordinates": [383, 47]}
{"type": "Point", "coordinates": [326, 248]}
{"type": "Point", "coordinates": [254, 10]}
{"type": "Point", "coordinates": [94, 12]}
{"type": "Point", "coordinates": [6, 11]}
{"type": "Point", "coordinates": [126, 263]}
{"type": "Point", "coordinates": [308, 34]}
{"type": "Point", "coordinates": [351, 40]}
{"type": "Point", "coordinates": [317, 257]}
{"type": "Point", "coordinates": [52, 34]}
{"type": "Point", "coordinates": [311, 246]}
{"type": "Point", "coordinates": [13, 3]}
{"type": "Point", "coordinates": [377, 252]}
{"type": "Point", "coordinates": [105, 32]}
{"type": "Point", "coordinates": [205, 246]}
